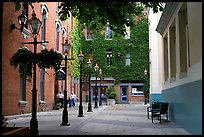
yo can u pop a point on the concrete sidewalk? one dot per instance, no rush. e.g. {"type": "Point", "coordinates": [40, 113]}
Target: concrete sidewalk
{"type": "Point", "coordinates": [119, 119]}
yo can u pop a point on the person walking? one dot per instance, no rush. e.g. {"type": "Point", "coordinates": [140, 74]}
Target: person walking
{"type": "Point", "coordinates": [73, 98]}
{"type": "Point", "coordinates": [61, 97]}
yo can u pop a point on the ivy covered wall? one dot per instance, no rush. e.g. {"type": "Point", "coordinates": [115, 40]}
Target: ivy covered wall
{"type": "Point", "coordinates": [137, 46]}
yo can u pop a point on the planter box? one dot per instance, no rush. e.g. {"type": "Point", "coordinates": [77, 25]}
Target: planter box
{"type": "Point", "coordinates": [110, 101]}
{"type": "Point", "coordinates": [57, 106]}
{"type": "Point", "coordinates": [16, 131]}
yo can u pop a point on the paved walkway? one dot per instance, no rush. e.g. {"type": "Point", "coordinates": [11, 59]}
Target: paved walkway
{"type": "Point", "coordinates": [119, 119]}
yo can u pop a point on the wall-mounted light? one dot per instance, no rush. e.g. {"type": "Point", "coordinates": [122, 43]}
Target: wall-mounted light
{"type": "Point", "coordinates": [118, 55]}
{"type": "Point", "coordinates": [21, 20]}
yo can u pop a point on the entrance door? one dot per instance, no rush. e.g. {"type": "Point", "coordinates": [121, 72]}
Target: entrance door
{"type": "Point", "coordinates": [124, 94]}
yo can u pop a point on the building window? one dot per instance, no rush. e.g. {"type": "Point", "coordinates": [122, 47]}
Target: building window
{"type": "Point", "coordinates": [108, 33]}
{"type": "Point", "coordinates": [25, 11]}
{"type": "Point", "coordinates": [127, 59]}
{"type": "Point", "coordinates": [137, 91]}
{"type": "Point", "coordinates": [109, 57]}
{"type": "Point", "coordinates": [44, 12]}
{"type": "Point", "coordinates": [172, 49]}
{"type": "Point", "coordinates": [183, 41]}
{"type": "Point", "coordinates": [58, 29]}
{"type": "Point", "coordinates": [22, 88]}
{"type": "Point", "coordinates": [63, 34]}
{"type": "Point", "coordinates": [166, 64]}
{"type": "Point", "coordinates": [22, 97]}
{"type": "Point", "coordinates": [88, 34]}
{"type": "Point", "coordinates": [127, 32]}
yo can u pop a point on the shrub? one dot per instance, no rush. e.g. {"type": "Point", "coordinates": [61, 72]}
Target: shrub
{"type": "Point", "coordinates": [112, 93]}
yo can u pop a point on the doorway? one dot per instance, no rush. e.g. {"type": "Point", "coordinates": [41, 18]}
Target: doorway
{"type": "Point", "coordinates": [124, 94]}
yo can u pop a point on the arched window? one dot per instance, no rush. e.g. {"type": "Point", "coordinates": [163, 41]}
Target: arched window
{"type": "Point", "coordinates": [63, 33]}
{"type": "Point", "coordinates": [58, 29]}
{"type": "Point", "coordinates": [44, 13]}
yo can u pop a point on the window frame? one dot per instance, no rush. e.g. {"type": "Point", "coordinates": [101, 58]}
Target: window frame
{"type": "Point", "coordinates": [135, 92]}
{"type": "Point", "coordinates": [109, 32]}
{"type": "Point", "coordinates": [109, 55]}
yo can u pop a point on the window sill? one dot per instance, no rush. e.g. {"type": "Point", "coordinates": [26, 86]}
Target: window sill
{"type": "Point", "coordinates": [22, 103]}
{"type": "Point", "coordinates": [42, 102]}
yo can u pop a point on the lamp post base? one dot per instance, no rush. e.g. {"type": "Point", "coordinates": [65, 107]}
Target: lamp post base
{"type": "Point", "coordinates": [80, 111]}
{"type": "Point", "coordinates": [100, 103]}
{"type": "Point", "coordinates": [64, 124]}
{"type": "Point", "coordinates": [33, 127]}
{"type": "Point", "coordinates": [65, 118]}
{"type": "Point", "coordinates": [96, 104]}
{"type": "Point", "coordinates": [89, 107]}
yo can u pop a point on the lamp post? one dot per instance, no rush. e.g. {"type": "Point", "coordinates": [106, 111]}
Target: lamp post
{"type": "Point", "coordinates": [80, 56]}
{"type": "Point", "coordinates": [100, 73]}
{"type": "Point", "coordinates": [96, 99]}
{"type": "Point", "coordinates": [66, 47]}
{"type": "Point", "coordinates": [89, 104]}
{"type": "Point", "coordinates": [35, 25]}
{"type": "Point", "coordinates": [145, 98]}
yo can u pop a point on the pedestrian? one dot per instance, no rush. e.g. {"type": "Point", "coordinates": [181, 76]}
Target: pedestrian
{"type": "Point", "coordinates": [73, 98]}
{"type": "Point", "coordinates": [61, 97]}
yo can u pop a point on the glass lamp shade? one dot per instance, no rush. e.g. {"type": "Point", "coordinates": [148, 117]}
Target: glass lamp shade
{"type": "Point", "coordinates": [89, 63]}
{"type": "Point", "coordinates": [66, 47]}
{"type": "Point", "coordinates": [34, 24]}
{"type": "Point", "coordinates": [100, 71]}
{"type": "Point", "coordinates": [96, 67]}
{"type": "Point", "coordinates": [119, 54]}
{"type": "Point", "coordinates": [22, 19]}
{"type": "Point", "coordinates": [80, 56]}
{"type": "Point", "coordinates": [145, 72]}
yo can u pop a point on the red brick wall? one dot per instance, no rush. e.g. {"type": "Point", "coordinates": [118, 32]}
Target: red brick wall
{"type": "Point", "coordinates": [11, 41]}
{"type": "Point", "coordinates": [131, 99]}
{"type": "Point", "coordinates": [134, 99]}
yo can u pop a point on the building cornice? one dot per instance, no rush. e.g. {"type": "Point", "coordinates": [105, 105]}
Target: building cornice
{"type": "Point", "coordinates": [169, 10]}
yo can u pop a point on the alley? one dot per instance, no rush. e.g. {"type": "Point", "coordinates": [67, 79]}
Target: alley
{"type": "Point", "coordinates": [119, 119]}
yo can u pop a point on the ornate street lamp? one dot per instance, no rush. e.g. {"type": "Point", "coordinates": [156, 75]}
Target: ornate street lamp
{"type": "Point", "coordinates": [100, 73]}
{"type": "Point", "coordinates": [89, 104]}
{"type": "Point", "coordinates": [145, 94]}
{"type": "Point", "coordinates": [35, 25]}
{"type": "Point", "coordinates": [66, 47]}
{"type": "Point", "coordinates": [21, 20]}
{"type": "Point", "coordinates": [80, 56]}
{"type": "Point", "coordinates": [96, 99]}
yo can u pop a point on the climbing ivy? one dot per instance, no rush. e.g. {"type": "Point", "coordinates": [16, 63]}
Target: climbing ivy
{"type": "Point", "coordinates": [137, 46]}
{"type": "Point", "coordinates": [76, 33]}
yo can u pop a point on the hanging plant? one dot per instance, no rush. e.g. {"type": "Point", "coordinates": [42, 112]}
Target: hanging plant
{"type": "Point", "coordinates": [22, 60]}
{"type": "Point", "coordinates": [49, 59]}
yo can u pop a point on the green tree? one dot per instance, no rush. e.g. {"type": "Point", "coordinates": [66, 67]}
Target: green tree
{"type": "Point", "coordinates": [92, 13]}
{"type": "Point", "coordinates": [117, 13]}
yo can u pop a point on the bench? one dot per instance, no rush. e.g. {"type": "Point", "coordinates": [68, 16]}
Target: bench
{"type": "Point", "coordinates": [158, 110]}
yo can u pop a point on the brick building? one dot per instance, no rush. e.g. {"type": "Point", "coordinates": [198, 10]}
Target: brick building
{"type": "Point", "coordinates": [16, 91]}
